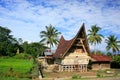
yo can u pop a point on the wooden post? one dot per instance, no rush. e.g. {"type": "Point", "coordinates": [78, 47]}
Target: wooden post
{"type": "Point", "coordinates": [86, 67]}
{"type": "Point", "coordinates": [59, 68]}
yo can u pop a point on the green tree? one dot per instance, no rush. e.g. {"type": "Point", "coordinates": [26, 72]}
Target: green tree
{"type": "Point", "coordinates": [50, 36]}
{"type": "Point", "coordinates": [116, 61]}
{"type": "Point", "coordinates": [25, 46]}
{"type": "Point", "coordinates": [7, 42]}
{"type": "Point", "coordinates": [112, 43]}
{"type": "Point", "coordinates": [118, 43]}
{"type": "Point", "coordinates": [98, 52]}
{"type": "Point", "coordinates": [35, 49]}
{"type": "Point", "coordinates": [109, 54]}
{"type": "Point", "coordinates": [94, 37]}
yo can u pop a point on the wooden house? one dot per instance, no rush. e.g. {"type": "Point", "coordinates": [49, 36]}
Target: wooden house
{"type": "Point", "coordinates": [73, 55]}
{"type": "Point", "coordinates": [100, 62]}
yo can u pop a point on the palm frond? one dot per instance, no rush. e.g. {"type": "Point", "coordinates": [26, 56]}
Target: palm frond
{"type": "Point", "coordinates": [50, 35]}
{"type": "Point", "coordinates": [112, 43]}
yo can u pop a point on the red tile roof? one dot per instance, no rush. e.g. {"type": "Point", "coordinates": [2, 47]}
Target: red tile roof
{"type": "Point", "coordinates": [63, 46]}
{"type": "Point", "coordinates": [100, 58]}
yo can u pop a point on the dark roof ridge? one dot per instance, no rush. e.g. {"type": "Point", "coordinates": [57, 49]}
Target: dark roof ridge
{"type": "Point", "coordinates": [79, 30]}
{"type": "Point", "coordinates": [64, 45]}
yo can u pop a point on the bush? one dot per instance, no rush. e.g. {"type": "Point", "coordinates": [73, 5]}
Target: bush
{"type": "Point", "coordinates": [99, 74]}
{"type": "Point", "coordinates": [22, 56]}
{"type": "Point", "coordinates": [116, 62]}
{"type": "Point", "coordinates": [34, 71]}
{"type": "Point", "coordinates": [116, 73]}
{"type": "Point", "coordinates": [76, 77]}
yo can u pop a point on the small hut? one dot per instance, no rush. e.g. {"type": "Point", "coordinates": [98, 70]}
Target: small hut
{"type": "Point", "coordinates": [100, 62]}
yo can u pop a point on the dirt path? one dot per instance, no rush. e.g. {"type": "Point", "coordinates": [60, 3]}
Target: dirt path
{"type": "Point", "coordinates": [113, 78]}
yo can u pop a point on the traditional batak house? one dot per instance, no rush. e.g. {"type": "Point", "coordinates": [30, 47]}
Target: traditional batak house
{"type": "Point", "coordinates": [73, 55]}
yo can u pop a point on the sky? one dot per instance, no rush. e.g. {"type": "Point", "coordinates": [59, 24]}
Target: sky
{"type": "Point", "coordinates": [26, 18]}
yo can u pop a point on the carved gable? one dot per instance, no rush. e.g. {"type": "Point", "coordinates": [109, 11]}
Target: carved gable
{"type": "Point", "coordinates": [74, 51]}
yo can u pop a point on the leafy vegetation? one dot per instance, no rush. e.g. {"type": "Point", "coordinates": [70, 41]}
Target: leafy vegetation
{"type": "Point", "coordinates": [112, 43]}
{"type": "Point", "coordinates": [116, 59]}
{"type": "Point", "coordinates": [98, 52]}
{"type": "Point", "coordinates": [99, 74]}
{"type": "Point", "coordinates": [50, 36]}
{"type": "Point", "coordinates": [34, 49]}
{"type": "Point", "coordinates": [94, 37]}
{"type": "Point", "coordinates": [12, 78]}
{"type": "Point", "coordinates": [23, 56]}
{"type": "Point", "coordinates": [116, 62]}
{"type": "Point", "coordinates": [109, 54]}
{"type": "Point", "coordinates": [8, 44]}
{"type": "Point", "coordinates": [76, 77]}
{"type": "Point", "coordinates": [14, 67]}
{"type": "Point", "coordinates": [18, 65]}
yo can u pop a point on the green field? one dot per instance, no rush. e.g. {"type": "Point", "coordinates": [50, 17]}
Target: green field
{"type": "Point", "coordinates": [12, 68]}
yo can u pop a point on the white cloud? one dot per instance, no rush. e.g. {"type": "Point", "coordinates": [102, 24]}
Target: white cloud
{"type": "Point", "coordinates": [27, 18]}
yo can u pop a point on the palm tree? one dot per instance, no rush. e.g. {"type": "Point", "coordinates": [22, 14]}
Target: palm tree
{"type": "Point", "coordinates": [94, 37]}
{"type": "Point", "coordinates": [112, 43]}
{"type": "Point", "coordinates": [50, 36]}
{"type": "Point", "coordinates": [118, 42]}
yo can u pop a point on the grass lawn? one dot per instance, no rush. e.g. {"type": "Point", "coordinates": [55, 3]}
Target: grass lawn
{"type": "Point", "coordinates": [12, 68]}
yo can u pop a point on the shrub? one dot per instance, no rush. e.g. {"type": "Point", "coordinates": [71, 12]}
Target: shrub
{"type": "Point", "coordinates": [22, 56]}
{"type": "Point", "coordinates": [34, 71]}
{"type": "Point", "coordinates": [76, 77]}
{"type": "Point", "coordinates": [116, 73]}
{"type": "Point", "coordinates": [116, 62]}
{"type": "Point", "coordinates": [99, 74]}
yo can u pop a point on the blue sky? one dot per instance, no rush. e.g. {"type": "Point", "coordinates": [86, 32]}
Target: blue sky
{"type": "Point", "coordinates": [26, 18]}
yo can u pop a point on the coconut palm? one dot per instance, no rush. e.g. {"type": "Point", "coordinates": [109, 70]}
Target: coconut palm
{"type": "Point", "coordinates": [112, 43]}
{"type": "Point", "coordinates": [50, 36]}
{"type": "Point", "coordinates": [94, 37]}
{"type": "Point", "coordinates": [118, 42]}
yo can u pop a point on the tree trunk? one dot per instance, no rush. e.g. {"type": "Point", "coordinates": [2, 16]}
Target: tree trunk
{"type": "Point", "coordinates": [95, 49]}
